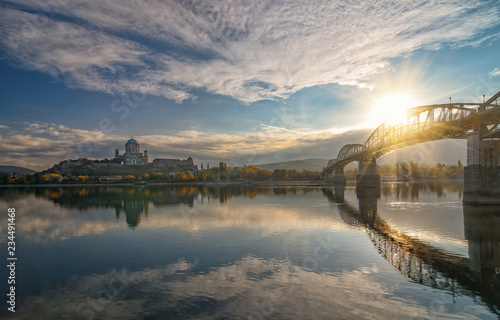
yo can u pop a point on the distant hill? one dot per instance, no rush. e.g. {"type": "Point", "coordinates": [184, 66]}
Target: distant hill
{"type": "Point", "coordinates": [308, 164]}
{"type": "Point", "coordinates": [17, 170]}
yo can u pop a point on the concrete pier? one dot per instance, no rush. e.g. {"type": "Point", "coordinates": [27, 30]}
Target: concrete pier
{"type": "Point", "coordinates": [367, 175]}
{"type": "Point", "coordinates": [482, 173]}
{"type": "Point", "coordinates": [339, 178]}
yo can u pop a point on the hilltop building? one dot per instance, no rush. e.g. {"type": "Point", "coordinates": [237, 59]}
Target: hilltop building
{"type": "Point", "coordinates": [175, 164]}
{"type": "Point", "coordinates": [132, 155]}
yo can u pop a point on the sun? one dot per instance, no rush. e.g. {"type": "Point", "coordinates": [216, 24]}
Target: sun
{"type": "Point", "coordinates": [391, 109]}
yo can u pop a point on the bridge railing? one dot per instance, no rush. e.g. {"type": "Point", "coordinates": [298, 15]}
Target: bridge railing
{"type": "Point", "coordinates": [420, 119]}
{"type": "Point", "coordinates": [424, 123]}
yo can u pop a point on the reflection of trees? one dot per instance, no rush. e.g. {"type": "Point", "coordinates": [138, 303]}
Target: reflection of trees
{"type": "Point", "coordinates": [426, 264]}
{"type": "Point", "coordinates": [134, 201]}
{"type": "Point", "coordinates": [402, 190]}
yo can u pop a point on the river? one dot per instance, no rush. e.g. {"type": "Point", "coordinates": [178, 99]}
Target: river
{"type": "Point", "coordinates": [406, 251]}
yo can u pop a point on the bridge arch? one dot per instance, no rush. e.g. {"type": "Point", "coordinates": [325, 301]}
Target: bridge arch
{"type": "Point", "coordinates": [423, 124]}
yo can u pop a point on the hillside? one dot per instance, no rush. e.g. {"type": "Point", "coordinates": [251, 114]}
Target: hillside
{"type": "Point", "coordinates": [308, 164]}
{"type": "Point", "coordinates": [17, 170]}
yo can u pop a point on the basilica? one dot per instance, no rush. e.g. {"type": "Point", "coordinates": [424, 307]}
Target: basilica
{"type": "Point", "coordinates": [133, 154]}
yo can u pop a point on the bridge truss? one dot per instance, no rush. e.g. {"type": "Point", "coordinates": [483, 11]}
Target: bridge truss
{"type": "Point", "coordinates": [424, 123]}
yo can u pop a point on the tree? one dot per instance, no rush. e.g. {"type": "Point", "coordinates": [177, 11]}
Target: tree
{"type": "Point", "coordinates": [21, 179]}
{"type": "Point", "coordinates": [415, 170]}
{"type": "Point", "coordinates": [264, 174]}
{"type": "Point", "coordinates": [405, 169]}
{"type": "Point", "coordinates": [203, 175]}
{"type": "Point", "coordinates": [384, 170]}
{"type": "Point", "coordinates": [129, 178]}
{"type": "Point", "coordinates": [460, 170]}
{"type": "Point", "coordinates": [180, 176]}
{"type": "Point", "coordinates": [277, 174]}
{"type": "Point", "coordinates": [292, 174]}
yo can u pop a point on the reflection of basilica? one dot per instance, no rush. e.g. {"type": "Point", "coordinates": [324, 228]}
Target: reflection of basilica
{"type": "Point", "coordinates": [425, 264]}
{"type": "Point", "coordinates": [133, 210]}
{"type": "Point", "coordinates": [131, 200]}
{"type": "Point", "coordinates": [135, 201]}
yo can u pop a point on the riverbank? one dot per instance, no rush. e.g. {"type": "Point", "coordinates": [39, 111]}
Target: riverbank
{"type": "Point", "coordinates": [270, 183]}
{"type": "Point", "coordinates": [295, 183]}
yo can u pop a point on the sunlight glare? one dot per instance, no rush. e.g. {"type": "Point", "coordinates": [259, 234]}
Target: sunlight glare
{"type": "Point", "coordinates": [391, 109]}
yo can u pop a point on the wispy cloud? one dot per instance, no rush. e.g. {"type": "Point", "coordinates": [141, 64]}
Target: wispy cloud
{"type": "Point", "coordinates": [40, 145]}
{"type": "Point", "coordinates": [495, 72]}
{"type": "Point", "coordinates": [248, 50]}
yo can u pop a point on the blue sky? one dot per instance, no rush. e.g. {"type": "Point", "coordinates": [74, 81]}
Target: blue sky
{"type": "Point", "coordinates": [244, 82]}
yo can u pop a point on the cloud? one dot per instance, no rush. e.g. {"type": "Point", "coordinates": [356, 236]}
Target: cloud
{"type": "Point", "coordinates": [247, 50]}
{"type": "Point", "coordinates": [40, 145]}
{"type": "Point", "coordinates": [48, 143]}
{"type": "Point", "coordinates": [495, 72]}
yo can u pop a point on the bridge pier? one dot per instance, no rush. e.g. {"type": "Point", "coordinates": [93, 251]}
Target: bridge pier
{"type": "Point", "coordinates": [339, 177]}
{"type": "Point", "coordinates": [367, 175]}
{"type": "Point", "coordinates": [482, 173]}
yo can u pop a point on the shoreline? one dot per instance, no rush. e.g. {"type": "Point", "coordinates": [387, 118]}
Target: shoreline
{"type": "Point", "coordinates": [292, 183]}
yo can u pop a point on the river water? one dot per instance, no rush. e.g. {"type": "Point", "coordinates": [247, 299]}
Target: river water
{"type": "Point", "coordinates": [407, 251]}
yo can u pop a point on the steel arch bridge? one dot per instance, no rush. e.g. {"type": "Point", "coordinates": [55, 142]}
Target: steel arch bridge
{"type": "Point", "coordinates": [424, 123]}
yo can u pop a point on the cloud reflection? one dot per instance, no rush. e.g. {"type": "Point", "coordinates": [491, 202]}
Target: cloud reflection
{"type": "Point", "coordinates": [55, 214]}
{"type": "Point", "coordinates": [248, 288]}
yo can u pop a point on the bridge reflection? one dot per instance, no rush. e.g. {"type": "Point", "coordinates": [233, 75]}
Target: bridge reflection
{"type": "Point", "coordinates": [477, 276]}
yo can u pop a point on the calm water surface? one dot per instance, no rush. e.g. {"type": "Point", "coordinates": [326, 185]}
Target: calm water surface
{"type": "Point", "coordinates": [408, 251]}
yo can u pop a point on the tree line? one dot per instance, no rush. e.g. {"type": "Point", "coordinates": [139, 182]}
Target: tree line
{"type": "Point", "coordinates": [212, 174]}
{"type": "Point", "coordinates": [412, 170]}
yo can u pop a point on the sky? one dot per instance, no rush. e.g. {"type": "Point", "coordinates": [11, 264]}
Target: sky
{"type": "Point", "coordinates": [244, 82]}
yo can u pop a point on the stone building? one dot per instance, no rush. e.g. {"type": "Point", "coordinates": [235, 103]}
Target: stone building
{"type": "Point", "coordinates": [133, 154]}
{"type": "Point", "coordinates": [175, 165]}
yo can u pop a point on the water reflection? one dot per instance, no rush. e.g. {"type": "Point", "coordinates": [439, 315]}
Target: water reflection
{"type": "Point", "coordinates": [135, 201]}
{"type": "Point", "coordinates": [412, 191]}
{"type": "Point", "coordinates": [241, 251]}
{"type": "Point", "coordinates": [58, 214]}
{"type": "Point", "coordinates": [479, 275]}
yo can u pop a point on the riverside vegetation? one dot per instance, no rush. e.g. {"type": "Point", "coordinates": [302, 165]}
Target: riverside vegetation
{"type": "Point", "coordinates": [412, 170]}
